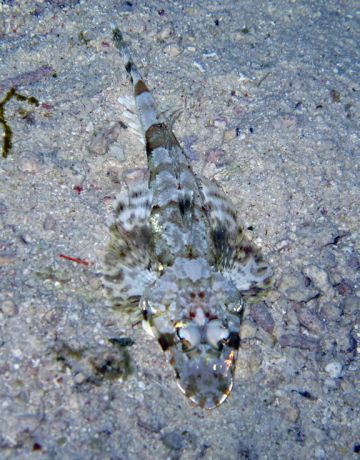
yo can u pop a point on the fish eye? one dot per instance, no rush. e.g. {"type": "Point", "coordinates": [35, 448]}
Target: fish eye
{"type": "Point", "coordinates": [216, 334]}
{"type": "Point", "coordinates": [189, 335]}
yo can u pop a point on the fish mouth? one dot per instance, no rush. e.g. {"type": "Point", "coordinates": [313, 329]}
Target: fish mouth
{"type": "Point", "coordinates": [205, 377]}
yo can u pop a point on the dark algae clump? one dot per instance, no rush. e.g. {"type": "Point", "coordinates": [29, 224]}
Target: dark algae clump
{"type": "Point", "coordinates": [7, 133]}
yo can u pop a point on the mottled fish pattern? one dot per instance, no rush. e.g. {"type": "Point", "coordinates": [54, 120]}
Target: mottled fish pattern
{"type": "Point", "coordinates": [178, 253]}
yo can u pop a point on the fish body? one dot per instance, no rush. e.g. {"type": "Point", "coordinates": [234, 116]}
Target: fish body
{"type": "Point", "coordinates": [178, 253]}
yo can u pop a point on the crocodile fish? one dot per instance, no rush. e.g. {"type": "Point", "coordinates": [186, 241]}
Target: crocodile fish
{"type": "Point", "coordinates": [178, 254]}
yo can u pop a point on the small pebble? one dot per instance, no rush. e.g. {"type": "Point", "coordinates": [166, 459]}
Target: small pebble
{"type": "Point", "coordinates": [113, 174]}
{"type": "Point", "coordinates": [301, 341]}
{"type": "Point", "coordinates": [9, 308]}
{"type": "Point", "coordinates": [327, 258]}
{"type": "Point", "coordinates": [147, 420]}
{"type": "Point", "coordinates": [17, 353]}
{"type": "Point", "coordinates": [353, 261]}
{"type": "Point", "coordinates": [117, 151]}
{"type": "Point", "coordinates": [331, 384]}
{"type": "Point", "coordinates": [229, 135]}
{"type": "Point", "coordinates": [295, 287]}
{"type": "Point", "coordinates": [100, 143]}
{"type": "Point", "coordinates": [261, 314]}
{"type": "Point", "coordinates": [309, 318]}
{"type": "Point", "coordinates": [288, 409]}
{"type": "Point", "coordinates": [79, 378]}
{"type": "Point", "coordinates": [248, 330]}
{"type": "Point", "coordinates": [320, 454]}
{"type": "Point", "coordinates": [319, 277]}
{"type": "Point", "coordinates": [95, 283]}
{"type": "Point", "coordinates": [6, 260]}
{"type": "Point", "coordinates": [49, 223]}
{"type": "Point", "coordinates": [164, 33]}
{"type": "Point", "coordinates": [27, 165]}
{"type": "Point", "coordinates": [334, 369]}
{"type": "Point", "coordinates": [335, 277]}
{"type": "Point", "coordinates": [239, 35]}
{"type": "Point", "coordinates": [215, 156]}
{"type": "Point", "coordinates": [283, 244]}
{"type": "Point", "coordinates": [172, 440]}
{"type": "Point", "coordinates": [89, 127]}
{"type": "Point", "coordinates": [331, 311]}
{"type": "Point", "coordinates": [249, 362]}
{"type": "Point", "coordinates": [219, 122]}
{"type": "Point", "coordinates": [172, 50]}
{"type": "Point", "coordinates": [352, 305]}
{"type": "Point", "coordinates": [345, 287]}
{"type": "Point", "coordinates": [287, 122]}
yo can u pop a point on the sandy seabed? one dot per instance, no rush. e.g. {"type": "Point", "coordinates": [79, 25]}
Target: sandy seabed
{"type": "Point", "coordinates": [269, 93]}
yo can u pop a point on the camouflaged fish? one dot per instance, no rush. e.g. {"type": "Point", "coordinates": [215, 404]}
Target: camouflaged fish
{"type": "Point", "coordinates": [178, 253]}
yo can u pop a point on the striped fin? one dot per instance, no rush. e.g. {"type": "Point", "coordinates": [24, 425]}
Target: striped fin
{"type": "Point", "coordinates": [235, 255]}
{"type": "Point", "coordinates": [126, 266]}
{"type": "Point", "coordinates": [131, 117]}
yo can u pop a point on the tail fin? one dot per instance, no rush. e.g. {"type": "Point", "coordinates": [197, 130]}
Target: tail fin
{"type": "Point", "coordinates": [145, 103]}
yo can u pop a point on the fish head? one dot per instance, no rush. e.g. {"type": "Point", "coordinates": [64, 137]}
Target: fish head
{"type": "Point", "coordinates": [198, 329]}
{"type": "Point", "coordinates": [203, 357]}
